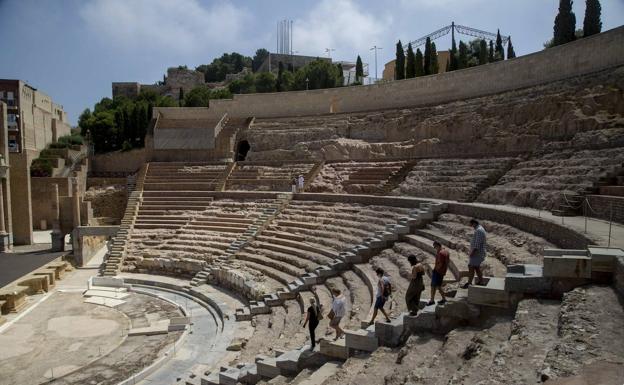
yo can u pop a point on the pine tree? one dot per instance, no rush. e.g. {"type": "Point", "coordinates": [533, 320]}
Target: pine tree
{"type": "Point", "coordinates": [491, 52]}
{"type": "Point", "coordinates": [428, 57]}
{"type": "Point", "coordinates": [483, 52]}
{"type": "Point", "coordinates": [410, 67]}
{"type": "Point", "coordinates": [510, 50]}
{"type": "Point", "coordinates": [499, 53]}
{"type": "Point", "coordinates": [359, 69]}
{"type": "Point", "coordinates": [399, 65]}
{"type": "Point", "coordinates": [592, 24]}
{"type": "Point", "coordinates": [434, 59]}
{"type": "Point", "coordinates": [565, 23]}
{"type": "Point", "coordinates": [419, 69]}
{"type": "Point", "coordinates": [462, 60]}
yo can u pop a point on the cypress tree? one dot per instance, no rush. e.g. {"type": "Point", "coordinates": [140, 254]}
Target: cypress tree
{"type": "Point", "coordinates": [510, 50]}
{"type": "Point", "coordinates": [565, 24]}
{"type": "Point", "coordinates": [592, 24]}
{"type": "Point", "coordinates": [359, 69]}
{"type": "Point", "coordinates": [419, 69]}
{"type": "Point", "coordinates": [399, 65]}
{"type": "Point", "coordinates": [428, 57]}
{"type": "Point", "coordinates": [410, 67]}
{"type": "Point", "coordinates": [434, 59]}
{"type": "Point", "coordinates": [462, 61]}
{"type": "Point", "coordinates": [499, 53]}
{"type": "Point", "coordinates": [453, 56]}
{"type": "Point", "coordinates": [340, 77]}
{"type": "Point", "coordinates": [483, 52]}
{"type": "Point", "coordinates": [491, 52]}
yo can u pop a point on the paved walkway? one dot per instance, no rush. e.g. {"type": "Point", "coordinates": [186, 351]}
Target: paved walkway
{"type": "Point", "coordinates": [597, 229]}
{"type": "Point", "coordinates": [16, 265]}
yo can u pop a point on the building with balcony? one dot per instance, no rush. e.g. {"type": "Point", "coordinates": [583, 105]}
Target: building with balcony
{"type": "Point", "coordinates": [29, 121]}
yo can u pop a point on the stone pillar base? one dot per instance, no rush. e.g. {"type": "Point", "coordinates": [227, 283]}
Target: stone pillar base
{"type": "Point", "coordinates": [6, 242]}
{"type": "Point", "coordinates": [58, 241]}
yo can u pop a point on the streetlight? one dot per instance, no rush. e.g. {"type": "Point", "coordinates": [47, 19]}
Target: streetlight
{"type": "Point", "coordinates": [376, 49]}
{"type": "Point", "coordinates": [307, 84]}
{"type": "Point", "coordinates": [329, 51]}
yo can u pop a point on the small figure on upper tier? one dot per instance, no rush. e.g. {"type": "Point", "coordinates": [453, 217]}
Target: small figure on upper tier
{"type": "Point", "coordinates": [416, 286]}
{"type": "Point", "coordinates": [300, 182]}
{"type": "Point", "coordinates": [477, 253]}
{"type": "Point", "coordinates": [439, 270]}
{"type": "Point", "coordinates": [294, 185]}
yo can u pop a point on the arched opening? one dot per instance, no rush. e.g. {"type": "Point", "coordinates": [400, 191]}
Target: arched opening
{"type": "Point", "coordinates": [242, 148]}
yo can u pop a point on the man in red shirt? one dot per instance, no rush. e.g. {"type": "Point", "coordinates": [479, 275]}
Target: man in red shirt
{"type": "Point", "coordinates": [437, 275]}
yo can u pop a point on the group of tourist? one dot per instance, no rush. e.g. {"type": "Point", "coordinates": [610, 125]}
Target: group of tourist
{"type": "Point", "coordinates": [414, 290]}
{"type": "Point", "coordinates": [297, 184]}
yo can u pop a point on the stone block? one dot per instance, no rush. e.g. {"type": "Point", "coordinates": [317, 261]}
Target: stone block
{"type": "Point", "coordinates": [273, 300]}
{"type": "Point", "coordinates": [362, 251]}
{"type": "Point", "coordinates": [527, 279]}
{"type": "Point", "coordinates": [338, 265]}
{"type": "Point", "coordinates": [387, 236]}
{"type": "Point", "coordinates": [267, 367]}
{"type": "Point", "coordinates": [211, 379]}
{"type": "Point", "coordinates": [425, 320]}
{"type": "Point", "coordinates": [458, 308]}
{"type": "Point", "coordinates": [258, 307]}
{"type": "Point", "coordinates": [603, 258]}
{"type": "Point", "coordinates": [361, 339]}
{"type": "Point", "coordinates": [310, 279]}
{"type": "Point", "coordinates": [374, 243]}
{"type": "Point", "coordinates": [288, 363]}
{"type": "Point", "coordinates": [335, 349]}
{"type": "Point", "coordinates": [36, 284]}
{"type": "Point", "coordinates": [229, 376]}
{"type": "Point", "coordinates": [568, 266]}
{"type": "Point", "coordinates": [243, 314]}
{"type": "Point", "coordinates": [249, 374]}
{"type": "Point", "coordinates": [14, 298]}
{"type": "Point", "coordinates": [492, 294]}
{"type": "Point", "coordinates": [560, 252]}
{"type": "Point", "coordinates": [389, 333]}
{"type": "Point", "coordinates": [324, 271]}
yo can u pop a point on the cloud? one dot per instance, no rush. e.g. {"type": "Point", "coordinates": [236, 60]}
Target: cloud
{"type": "Point", "coordinates": [341, 25]}
{"type": "Point", "coordinates": [181, 26]}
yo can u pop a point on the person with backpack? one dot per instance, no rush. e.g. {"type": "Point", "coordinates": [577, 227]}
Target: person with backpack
{"type": "Point", "coordinates": [384, 290]}
{"type": "Point", "coordinates": [313, 316]}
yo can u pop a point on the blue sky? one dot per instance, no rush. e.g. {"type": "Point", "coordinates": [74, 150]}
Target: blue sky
{"type": "Point", "coordinates": [74, 49]}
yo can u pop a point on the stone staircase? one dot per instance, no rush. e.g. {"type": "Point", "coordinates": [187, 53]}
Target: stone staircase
{"type": "Point", "coordinates": [114, 258]}
{"type": "Point", "coordinates": [252, 231]}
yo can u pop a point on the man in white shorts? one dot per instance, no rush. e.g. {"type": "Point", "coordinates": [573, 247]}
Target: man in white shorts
{"type": "Point", "coordinates": [338, 311]}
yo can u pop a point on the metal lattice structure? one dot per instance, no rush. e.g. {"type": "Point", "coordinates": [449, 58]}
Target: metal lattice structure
{"type": "Point", "coordinates": [459, 29]}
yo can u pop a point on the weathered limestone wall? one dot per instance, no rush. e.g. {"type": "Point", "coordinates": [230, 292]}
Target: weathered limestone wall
{"type": "Point", "coordinates": [21, 206]}
{"type": "Point", "coordinates": [43, 206]}
{"type": "Point", "coordinates": [118, 162]}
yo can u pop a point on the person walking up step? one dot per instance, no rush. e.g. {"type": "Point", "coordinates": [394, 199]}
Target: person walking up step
{"type": "Point", "coordinates": [338, 311]}
{"type": "Point", "coordinates": [477, 253]}
{"type": "Point", "coordinates": [416, 286]}
{"type": "Point", "coordinates": [439, 270]}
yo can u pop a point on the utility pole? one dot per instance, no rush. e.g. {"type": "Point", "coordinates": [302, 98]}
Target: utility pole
{"type": "Point", "coordinates": [375, 48]}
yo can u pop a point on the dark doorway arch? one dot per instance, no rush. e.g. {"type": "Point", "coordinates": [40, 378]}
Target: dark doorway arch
{"type": "Point", "coordinates": [242, 148]}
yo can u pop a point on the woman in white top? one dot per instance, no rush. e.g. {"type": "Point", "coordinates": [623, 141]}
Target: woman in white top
{"type": "Point", "coordinates": [338, 311]}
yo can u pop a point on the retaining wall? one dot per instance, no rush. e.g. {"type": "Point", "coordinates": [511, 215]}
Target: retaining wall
{"type": "Point", "coordinates": [606, 207]}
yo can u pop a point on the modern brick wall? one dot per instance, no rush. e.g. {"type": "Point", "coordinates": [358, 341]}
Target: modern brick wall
{"type": "Point", "coordinates": [606, 207]}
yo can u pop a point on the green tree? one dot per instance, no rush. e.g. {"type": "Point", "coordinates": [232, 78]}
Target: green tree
{"type": "Point", "coordinates": [359, 69]}
{"type": "Point", "coordinates": [340, 78]}
{"type": "Point", "coordinates": [245, 85]}
{"type": "Point", "coordinates": [491, 52]}
{"type": "Point", "coordinates": [499, 51]}
{"type": "Point", "coordinates": [319, 74]}
{"type": "Point", "coordinates": [410, 67]}
{"type": "Point", "coordinates": [510, 50]}
{"type": "Point", "coordinates": [565, 24]}
{"type": "Point", "coordinates": [259, 58]}
{"type": "Point", "coordinates": [483, 52]}
{"type": "Point", "coordinates": [453, 55]}
{"type": "Point", "coordinates": [181, 97]}
{"type": "Point", "coordinates": [419, 60]}
{"type": "Point", "coordinates": [265, 82]}
{"type": "Point", "coordinates": [399, 64]}
{"type": "Point", "coordinates": [287, 80]}
{"type": "Point", "coordinates": [435, 66]}
{"type": "Point", "coordinates": [462, 59]}
{"type": "Point", "coordinates": [592, 23]}
{"type": "Point", "coordinates": [197, 97]}
{"type": "Point", "coordinates": [427, 65]}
